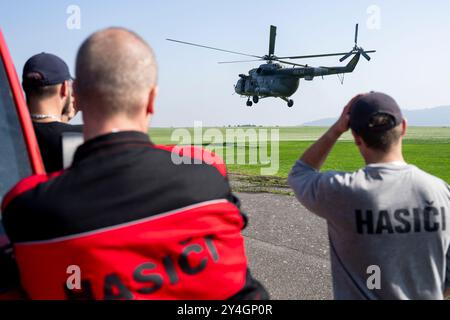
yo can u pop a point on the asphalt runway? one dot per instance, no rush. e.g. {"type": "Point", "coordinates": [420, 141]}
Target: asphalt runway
{"type": "Point", "coordinates": [287, 247]}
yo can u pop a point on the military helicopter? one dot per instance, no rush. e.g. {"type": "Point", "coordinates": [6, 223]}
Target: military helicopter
{"type": "Point", "coordinates": [273, 80]}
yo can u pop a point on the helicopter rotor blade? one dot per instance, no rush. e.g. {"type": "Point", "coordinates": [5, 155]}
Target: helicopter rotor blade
{"type": "Point", "coordinates": [356, 34]}
{"type": "Point", "coordinates": [314, 56]}
{"type": "Point", "coordinates": [242, 61]}
{"type": "Point", "coordinates": [273, 37]}
{"type": "Point", "coordinates": [212, 48]}
{"type": "Point", "coordinates": [348, 55]}
{"type": "Point", "coordinates": [365, 55]}
{"type": "Point", "coordinates": [361, 51]}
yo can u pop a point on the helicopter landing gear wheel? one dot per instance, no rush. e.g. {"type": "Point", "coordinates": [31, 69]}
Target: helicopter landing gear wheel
{"type": "Point", "coordinates": [255, 99]}
{"type": "Point", "coordinates": [249, 103]}
{"type": "Point", "coordinates": [290, 103]}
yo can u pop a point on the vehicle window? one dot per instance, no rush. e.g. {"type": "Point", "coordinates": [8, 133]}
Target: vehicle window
{"type": "Point", "coordinates": [14, 161]}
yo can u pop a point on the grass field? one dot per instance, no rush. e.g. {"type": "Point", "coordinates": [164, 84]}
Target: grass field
{"type": "Point", "coordinates": [428, 148]}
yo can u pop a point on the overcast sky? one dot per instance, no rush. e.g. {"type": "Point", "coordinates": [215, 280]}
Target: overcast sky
{"type": "Point", "coordinates": [412, 39]}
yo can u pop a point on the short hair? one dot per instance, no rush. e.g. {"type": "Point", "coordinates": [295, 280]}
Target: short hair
{"type": "Point", "coordinates": [381, 140]}
{"type": "Point", "coordinates": [115, 70]}
{"type": "Point", "coordinates": [33, 89]}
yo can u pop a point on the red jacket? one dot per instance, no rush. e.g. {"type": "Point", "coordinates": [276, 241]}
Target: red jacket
{"type": "Point", "coordinates": [133, 223]}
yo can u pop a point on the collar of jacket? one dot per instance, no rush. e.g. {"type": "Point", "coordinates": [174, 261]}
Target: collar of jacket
{"type": "Point", "coordinates": [110, 141]}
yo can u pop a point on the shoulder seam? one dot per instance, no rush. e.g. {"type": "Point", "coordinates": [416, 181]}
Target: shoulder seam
{"type": "Point", "coordinates": [219, 165]}
{"type": "Point", "coordinates": [26, 185]}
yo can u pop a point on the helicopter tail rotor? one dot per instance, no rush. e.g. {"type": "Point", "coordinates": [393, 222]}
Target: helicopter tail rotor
{"type": "Point", "coordinates": [357, 49]}
{"type": "Point", "coordinates": [364, 54]}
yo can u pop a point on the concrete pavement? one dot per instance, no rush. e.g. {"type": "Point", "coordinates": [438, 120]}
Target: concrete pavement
{"type": "Point", "coordinates": [287, 247]}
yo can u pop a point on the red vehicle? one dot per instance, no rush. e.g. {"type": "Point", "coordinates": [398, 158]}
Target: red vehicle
{"type": "Point", "coordinates": [19, 151]}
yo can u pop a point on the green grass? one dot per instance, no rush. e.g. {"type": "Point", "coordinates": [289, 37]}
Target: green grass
{"type": "Point", "coordinates": [428, 148]}
{"type": "Point", "coordinates": [425, 134]}
{"type": "Point", "coordinates": [431, 157]}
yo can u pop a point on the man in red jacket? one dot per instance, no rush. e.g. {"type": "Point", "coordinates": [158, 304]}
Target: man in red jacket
{"type": "Point", "coordinates": [132, 222]}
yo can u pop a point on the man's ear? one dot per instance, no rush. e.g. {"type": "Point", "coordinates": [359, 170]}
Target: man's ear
{"type": "Point", "coordinates": [404, 127]}
{"type": "Point", "coordinates": [64, 90]}
{"type": "Point", "coordinates": [151, 101]}
{"type": "Point", "coordinates": [77, 106]}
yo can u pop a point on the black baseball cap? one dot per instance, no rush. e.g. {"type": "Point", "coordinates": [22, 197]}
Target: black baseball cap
{"type": "Point", "coordinates": [367, 106]}
{"type": "Point", "coordinates": [52, 69]}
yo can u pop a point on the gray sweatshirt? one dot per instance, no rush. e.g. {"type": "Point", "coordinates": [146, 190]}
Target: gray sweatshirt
{"type": "Point", "coordinates": [389, 229]}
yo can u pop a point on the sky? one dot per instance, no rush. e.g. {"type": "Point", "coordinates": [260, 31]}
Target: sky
{"type": "Point", "coordinates": [412, 38]}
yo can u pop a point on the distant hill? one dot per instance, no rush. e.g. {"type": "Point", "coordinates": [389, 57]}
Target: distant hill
{"type": "Point", "coordinates": [433, 117]}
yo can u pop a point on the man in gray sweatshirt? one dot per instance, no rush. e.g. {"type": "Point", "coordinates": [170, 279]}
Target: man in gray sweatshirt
{"type": "Point", "coordinates": [389, 223]}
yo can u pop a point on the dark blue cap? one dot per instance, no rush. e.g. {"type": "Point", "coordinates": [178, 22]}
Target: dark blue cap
{"type": "Point", "coordinates": [365, 109]}
{"type": "Point", "coordinates": [52, 69]}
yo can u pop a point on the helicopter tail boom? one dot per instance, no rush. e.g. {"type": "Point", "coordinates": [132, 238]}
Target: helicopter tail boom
{"type": "Point", "coordinates": [349, 68]}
